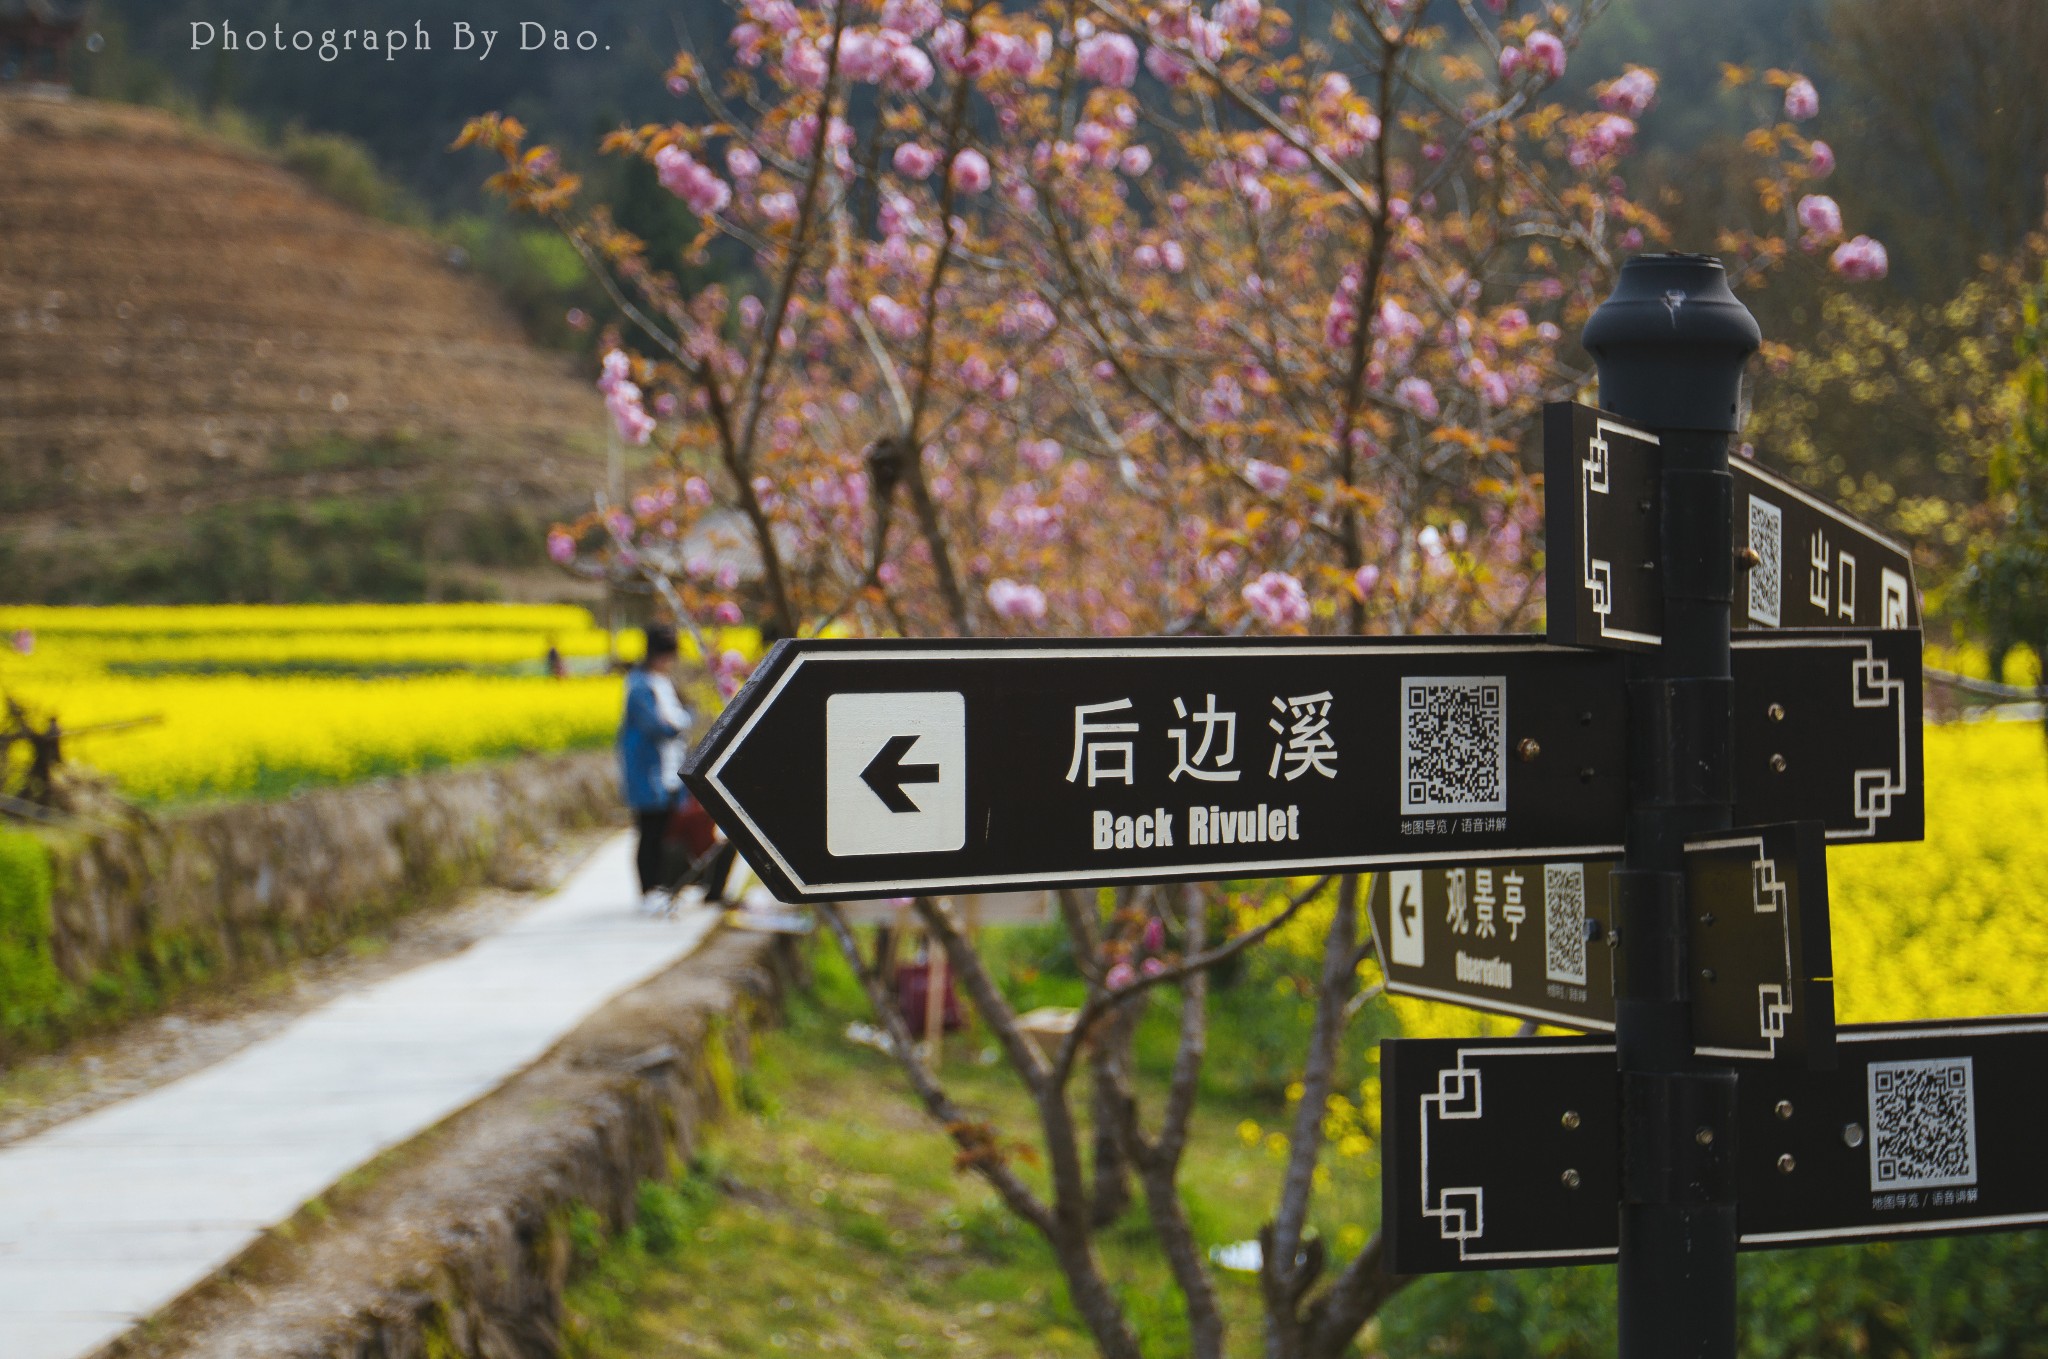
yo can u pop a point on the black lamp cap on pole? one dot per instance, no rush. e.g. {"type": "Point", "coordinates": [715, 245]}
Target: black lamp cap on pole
{"type": "Point", "coordinates": [1670, 343]}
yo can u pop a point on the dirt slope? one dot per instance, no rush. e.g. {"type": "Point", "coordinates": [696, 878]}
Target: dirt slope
{"type": "Point", "coordinates": [194, 343]}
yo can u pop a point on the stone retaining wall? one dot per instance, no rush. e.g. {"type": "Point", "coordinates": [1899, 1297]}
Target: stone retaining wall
{"type": "Point", "coordinates": [228, 891]}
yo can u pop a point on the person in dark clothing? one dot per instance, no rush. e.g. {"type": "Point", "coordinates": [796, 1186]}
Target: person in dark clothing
{"type": "Point", "coordinates": [651, 745]}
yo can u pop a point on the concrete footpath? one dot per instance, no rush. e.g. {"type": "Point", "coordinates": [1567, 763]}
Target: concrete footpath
{"type": "Point", "coordinates": [108, 1218]}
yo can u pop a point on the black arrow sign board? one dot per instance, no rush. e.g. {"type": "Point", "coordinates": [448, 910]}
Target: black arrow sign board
{"type": "Point", "coordinates": [848, 769]}
{"type": "Point", "coordinates": [1533, 941]}
{"type": "Point", "coordinates": [1807, 564]}
{"type": "Point", "coordinates": [1504, 1153]}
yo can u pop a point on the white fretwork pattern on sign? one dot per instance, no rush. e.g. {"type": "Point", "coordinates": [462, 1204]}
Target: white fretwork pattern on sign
{"type": "Point", "coordinates": [1772, 1011]}
{"type": "Point", "coordinates": [1767, 889]}
{"type": "Point", "coordinates": [1460, 1213]}
{"type": "Point", "coordinates": [1872, 686]}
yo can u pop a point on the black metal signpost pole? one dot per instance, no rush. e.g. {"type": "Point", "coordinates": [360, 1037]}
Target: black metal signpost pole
{"type": "Point", "coordinates": [1670, 344]}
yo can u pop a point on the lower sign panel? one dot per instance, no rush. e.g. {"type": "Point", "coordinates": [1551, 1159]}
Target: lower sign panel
{"type": "Point", "coordinates": [1504, 1153]}
{"type": "Point", "coordinates": [1498, 1155]}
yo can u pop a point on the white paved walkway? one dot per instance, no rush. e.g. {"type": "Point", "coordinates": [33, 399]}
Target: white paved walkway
{"type": "Point", "coordinates": [106, 1219]}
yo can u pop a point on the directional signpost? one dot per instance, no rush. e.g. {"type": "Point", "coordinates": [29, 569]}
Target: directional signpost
{"type": "Point", "coordinates": [1622, 828]}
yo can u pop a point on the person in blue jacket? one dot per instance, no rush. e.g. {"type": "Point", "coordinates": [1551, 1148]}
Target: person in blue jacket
{"type": "Point", "coordinates": [651, 747]}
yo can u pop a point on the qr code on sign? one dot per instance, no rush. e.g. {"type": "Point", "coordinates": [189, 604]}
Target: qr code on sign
{"type": "Point", "coordinates": [1454, 744]}
{"type": "Point", "coordinates": [1564, 923]}
{"type": "Point", "coordinates": [1766, 578]}
{"type": "Point", "coordinates": [1923, 1124]}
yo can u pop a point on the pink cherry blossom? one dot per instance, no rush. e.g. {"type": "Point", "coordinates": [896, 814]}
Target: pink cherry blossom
{"type": "Point", "coordinates": [1107, 59]}
{"type": "Point", "coordinates": [1860, 260]}
{"type": "Point", "coordinates": [746, 43]}
{"type": "Point", "coordinates": [1416, 394]}
{"type": "Point", "coordinates": [1511, 61]}
{"type": "Point", "coordinates": [864, 56]}
{"type": "Point", "coordinates": [804, 66]}
{"type": "Point", "coordinates": [1040, 455]}
{"type": "Point", "coordinates": [1153, 967]}
{"type": "Point", "coordinates": [1120, 976]}
{"type": "Point", "coordinates": [779, 207]}
{"type": "Point", "coordinates": [1630, 93]}
{"type": "Point", "coordinates": [1154, 937]}
{"type": "Point", "coordinates": [779, 15]}
{"type": "Point", "coordinates": [910, 70]}
{"type": "Point", "coordinates": [678, 86]}
{"type": "Point", "coordinates": [682, 175]}
{"type": "Point", "coordinates": [696, 491]}
{"type": "Point", "coordinates": [1167, 67]}
{"type": "Point", "coordinates": [1172, 256]}
{"type": "Point", "coordinates": [1135, 161]}
{"type": "Point", "coordinates": [1802, 101]}
{"type": "Point", "coordinates": [1278, 599]}
{"type": "Point", "coordinates": [1820, 160]}
{"type": "Point", "coordinates": [1821, 220]}
{"type": "Point", "coordinates": [1012, 600]}
{"type": "Point", "coordinates": [1546, 54]}
{"type": "Point", "coordinates": [728, 613]}
{"type": "Point", "coordinates": [741, 162]}
{"type": "Point", "coordinates": [1239, 18]}
{"type": "Point", "coordinates": [1266, 477]}
{"type": "Point", "coordinates": [970, 172]}
{"type": "Point", "coordinates": [561, 551]}
{"type": "Point", "coordinates": [1608, 136]}
{"type": "Point", "coordinates": [912, 18]}
{"type": "Point", "coordinates": [615, 368]}
{"type": "Point", "coordinates": [622, 399]}
{"type": "Point", "coordinates": [896, 320]}
{"type": "Point", "coordinates": [914, 161]}
{"type": "Point", "coordinates": [1365, 578]}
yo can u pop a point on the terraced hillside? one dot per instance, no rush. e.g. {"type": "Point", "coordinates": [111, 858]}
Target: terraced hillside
{"type": "Point", "coordinates": [217, 384]}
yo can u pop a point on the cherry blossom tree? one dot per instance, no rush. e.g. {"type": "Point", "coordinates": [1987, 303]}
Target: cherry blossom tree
{"type": "Point", "coordinates": [1107, 317]}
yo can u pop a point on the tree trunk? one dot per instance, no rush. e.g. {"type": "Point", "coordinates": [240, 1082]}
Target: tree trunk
{"type": "Point", "coordinates": [1111, 1193]}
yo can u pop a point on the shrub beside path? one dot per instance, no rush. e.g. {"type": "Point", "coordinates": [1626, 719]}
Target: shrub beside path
{"type": "Point", "coordinates": [106, 1219]}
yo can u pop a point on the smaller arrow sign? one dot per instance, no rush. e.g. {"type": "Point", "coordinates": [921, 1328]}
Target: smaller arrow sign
{"type": "Point", "coordinates": [887, 774]}
{"type": "Point", "coordinates": [1504, 1153]}
{"type": "Point", "coordinates": [1533, 941]}
{"type": "Point", "coordinates": [1802, 563]}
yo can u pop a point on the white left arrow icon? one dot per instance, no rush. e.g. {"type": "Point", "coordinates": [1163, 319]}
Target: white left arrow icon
{"type": "Point", "coordinates": [895, 773]}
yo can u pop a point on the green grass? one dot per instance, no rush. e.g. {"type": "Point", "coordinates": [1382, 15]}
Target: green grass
{"type": "Point", "coordinates": [829, 1219]}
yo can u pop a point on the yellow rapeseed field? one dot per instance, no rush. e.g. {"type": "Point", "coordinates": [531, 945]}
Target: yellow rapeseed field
{"type": "Point", "coordinates": [1957, 924]}
{"type": "Point", "coordinates": [258, 700]}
